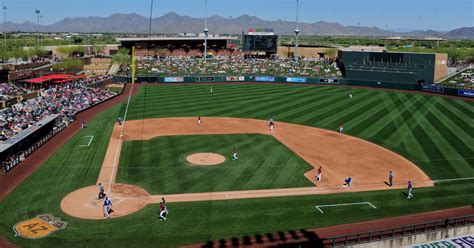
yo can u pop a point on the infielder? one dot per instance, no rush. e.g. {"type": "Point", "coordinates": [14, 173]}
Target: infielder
{"type": "Point", "coordinates": [319, 175]}
{"type": "Point", "coordinates": [163, 209]}
{"type": "Point", "coordinates": [107, 207]}
{"type": "Point", "coordinates": [341, 127]}
{"type": "Point", "coordinates": [390, 178]}
{"type": "Point", "coordinates": [410, 188]}
{"type": "Point", "coordinates": [271, 125]}
{"type": "Point", "coordinates": [199, 121]}
{"type": "Point", "coordinates": [348, 182]}
{"type": "Point", "coordinates": [234, 154]}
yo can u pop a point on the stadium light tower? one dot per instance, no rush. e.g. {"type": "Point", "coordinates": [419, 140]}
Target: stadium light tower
{"type": "Point", "coordinates": [151, 18]}
{"type": "Point", "coordinates": [38, 22]}
{"type": "Point", "coordinates": [206, 31]}
{"type": "Point", "coordinates": [297, 31]}
{"type": "Point", "coordinates": [5, 26]}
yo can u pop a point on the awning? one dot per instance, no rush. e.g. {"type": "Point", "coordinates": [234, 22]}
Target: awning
{"type": "Point", "coordinates": [54, 78]}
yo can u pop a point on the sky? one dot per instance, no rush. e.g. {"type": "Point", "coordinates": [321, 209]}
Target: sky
{"type": "Point", "coordinates": [440, 15]}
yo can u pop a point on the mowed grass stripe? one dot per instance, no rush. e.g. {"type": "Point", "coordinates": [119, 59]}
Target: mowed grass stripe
{"type": "Point", "coordinates": [310, 107]}
{"type": "Point", "coordinates": [335, 109]}
{"type": "Point", "coordinates": [288, 105]}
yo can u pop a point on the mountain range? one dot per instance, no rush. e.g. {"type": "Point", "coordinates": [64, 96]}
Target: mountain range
{"type": "Point", "coordinates": [173, 23]}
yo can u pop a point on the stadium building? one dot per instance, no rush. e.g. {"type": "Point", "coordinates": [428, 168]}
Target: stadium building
{"type": "Point", "coordinates": [392, 67]}
{"type": "Point", "coordinates": [181, 46]}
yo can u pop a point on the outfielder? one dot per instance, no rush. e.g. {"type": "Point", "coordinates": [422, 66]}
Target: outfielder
{"type": "Point", "coordinates": [163, 209]}
{"type": "Point", "coordinates": [107, 207]}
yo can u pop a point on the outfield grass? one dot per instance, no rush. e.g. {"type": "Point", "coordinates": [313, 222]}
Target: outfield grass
{"type": "Point", "coordinates": [438, 122]}
{"type": "Point", "coordinates": [264, 163]}
{"type": "Point", "coordinates": [433, 132]}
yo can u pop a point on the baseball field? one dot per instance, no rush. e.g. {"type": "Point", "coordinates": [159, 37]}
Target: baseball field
{"type": "Point", "coordinates": [271, 187]}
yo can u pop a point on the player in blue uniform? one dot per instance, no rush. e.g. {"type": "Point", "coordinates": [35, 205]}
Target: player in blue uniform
{"type": "Point", "coordinates": [107, 207]}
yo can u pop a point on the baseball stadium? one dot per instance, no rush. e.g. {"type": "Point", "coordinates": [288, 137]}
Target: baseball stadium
{"type": "Point", "coordinates": [222, 142]}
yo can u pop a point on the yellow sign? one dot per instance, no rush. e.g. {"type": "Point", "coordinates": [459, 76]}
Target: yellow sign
{"type": "Point", "coordinates": [39, 227]}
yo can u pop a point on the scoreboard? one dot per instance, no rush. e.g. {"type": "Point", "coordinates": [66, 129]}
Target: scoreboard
{"type": "Point", "coordinates": [260, 43]}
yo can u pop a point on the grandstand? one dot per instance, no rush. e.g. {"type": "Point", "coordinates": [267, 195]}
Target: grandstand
{"type": "Point", "coordinates": [181, 46]}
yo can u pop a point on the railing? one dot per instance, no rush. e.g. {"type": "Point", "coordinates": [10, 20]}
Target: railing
{"type": "Point", "coordinates": [401, 231]}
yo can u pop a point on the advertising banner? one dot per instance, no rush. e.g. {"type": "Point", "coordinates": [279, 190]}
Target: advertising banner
{"type": "Point", "coordinates": [468, 93]}
{"type": "Point", "coordinates": [235, 78]}
{"type": "Point", "coordinates": [432, 88]}
{"type": "Point", "coordinates": [173, 79]}
{"type": "Point", "coordinates": [295, 80]}
{"type": "Point", "coordinates": [205, 79]}
{"type": "Point", "coordinates": [264, 79]}
{"type": "Point", "coordinates": [329, 81]}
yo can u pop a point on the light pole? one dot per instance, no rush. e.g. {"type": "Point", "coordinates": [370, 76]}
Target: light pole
{"type": "Point", "coordinates": [5, 26]}
{"type": "Point", "coordinates": [38, 20]}
{"type": "Point", "coordinates": [206, 31]}
{"type": "Point", "coordinates": [297, 31]}
{"type": "Point", "coordinates": [41, 22]}
{"type": "Point", "coordinates": [151, 18]}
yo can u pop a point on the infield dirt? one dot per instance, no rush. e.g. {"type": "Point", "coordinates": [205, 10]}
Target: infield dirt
{"type": "Point", "coordinates": [340, 156]}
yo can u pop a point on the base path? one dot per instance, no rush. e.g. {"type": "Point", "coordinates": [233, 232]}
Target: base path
{"type": "Point", "coordinates": [340, 155]}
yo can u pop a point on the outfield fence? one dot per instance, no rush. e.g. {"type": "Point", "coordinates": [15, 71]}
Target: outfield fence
{"type": "Point", "coordinates": [160, 79]}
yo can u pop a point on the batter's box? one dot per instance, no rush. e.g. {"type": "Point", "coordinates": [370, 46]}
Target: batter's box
{"type": "Point", "coordinates": [86, 141]}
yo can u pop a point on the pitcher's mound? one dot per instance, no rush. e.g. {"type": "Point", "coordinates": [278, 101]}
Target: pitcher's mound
{"type": "Point", "coordinates": [205, 159]}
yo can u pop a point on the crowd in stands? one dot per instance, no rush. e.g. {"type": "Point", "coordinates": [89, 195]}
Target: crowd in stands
{"type": "Point", "coordinates": [237, 66]}
{"type": "Point", "coordinates": [66, 99]}
{"type": "Point", "coordinates": [11, 90]}
{"type": "Point", "coordinates": [464, 79]}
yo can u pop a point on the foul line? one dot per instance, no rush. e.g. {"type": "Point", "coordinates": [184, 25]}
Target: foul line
{"type": "Point", "coordinates": [117, 150]}
{"type": "Point", "coordinates": [90, 141]}
{"type": "Point", "coordinates": [454, 179]}
{"type": "Point", "coordinates": [318, 207]}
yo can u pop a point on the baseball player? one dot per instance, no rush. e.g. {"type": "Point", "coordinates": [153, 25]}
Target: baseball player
{"type": "Point", "coordinates": [410, 188]}
{"type": "Point", "coordinates": [341, 127]}
{"type": "Point", "coordinates": [83, 124]}
{"type": "Point", "coordinates": [350, 95]}
{"type": "Point", "coordinates": [348, 182]}
{"type": "Point", "coordinates": [234, 154]}
{"type": "Point", "coordinates": [319, 175]}
{"type": "Point", "coordinates": [199, 121]}
{"type": "Point", "coordinates": [211, 89]}
{"type": "Point", "coordinates": [119, 119]}
{"type": "Point", "coordinates": [101, 191]}
{"type": "Point", "coordinates": [163, 209]}
{"type": "Point", "coordinates": [271, 125]}
{"type": "Point", "coordinates": [390, 178]}
{"type": "Point", "coordinates": [107, 207]}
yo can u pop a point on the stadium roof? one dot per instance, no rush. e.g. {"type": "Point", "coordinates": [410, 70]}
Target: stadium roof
{"type": "Point", "coordinates": [176, 38]}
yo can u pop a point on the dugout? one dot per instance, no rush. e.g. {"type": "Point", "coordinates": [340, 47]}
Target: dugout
{"type": "Point", "coordinates": [410, 69]}
{"type": "Point", "coordinates": [20, 146]}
